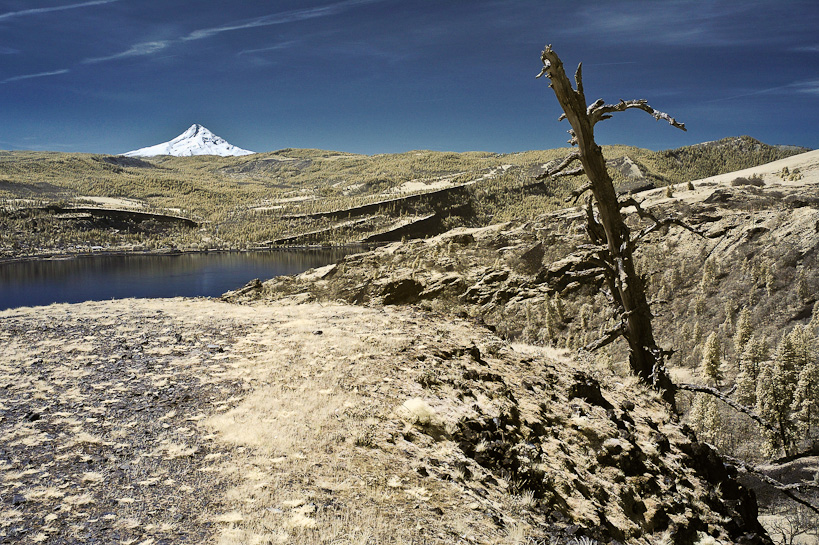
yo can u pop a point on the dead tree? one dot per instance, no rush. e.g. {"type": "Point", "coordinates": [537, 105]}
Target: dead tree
{"type": "Point", "coordinates": [613, 244]}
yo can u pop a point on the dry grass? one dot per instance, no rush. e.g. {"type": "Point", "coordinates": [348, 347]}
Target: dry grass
{"type": "Point", "coordinates": [311, 429]}
{"type": "Point", "coordinates": [312, 423]}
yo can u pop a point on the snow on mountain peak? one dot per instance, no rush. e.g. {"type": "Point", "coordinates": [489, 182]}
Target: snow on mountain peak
{"type": "Point", "coordinates": [196, 140]}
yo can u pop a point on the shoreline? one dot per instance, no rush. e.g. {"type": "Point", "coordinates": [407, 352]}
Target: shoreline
{"type": "Point", "coordinates": [63, 256]}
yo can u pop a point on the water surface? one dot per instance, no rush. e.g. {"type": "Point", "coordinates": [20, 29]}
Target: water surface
{"type": "Point", "coordinates": [34, 283]}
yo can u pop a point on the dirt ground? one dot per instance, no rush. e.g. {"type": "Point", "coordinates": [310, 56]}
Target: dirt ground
{"type": "Point", "coordinates": [193, 420]}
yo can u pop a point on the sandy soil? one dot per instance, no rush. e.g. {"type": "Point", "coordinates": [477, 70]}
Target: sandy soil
{"type": "Point", "coordinates": [807, 163]}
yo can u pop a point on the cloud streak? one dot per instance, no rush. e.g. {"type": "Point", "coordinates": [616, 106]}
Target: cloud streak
{"type": "Point", "coordinates": [292, 16]}
{"type": "Point", "coordinates": [810, 87]}
{"type": "Point", "coordinates": [37, 75]}
{"type": "Point", "coordinates": [684, 23]}
{"type": "Point", "coordinates": [807, 87]}
{"type": "Point", "coordinates": [36, 11]}
{"type": "Point", "coordinates": [138, 50]}
{"type": "Point", "coordinates": [277, 47]}
{"type": "Point", "coordinates": [149, 48]}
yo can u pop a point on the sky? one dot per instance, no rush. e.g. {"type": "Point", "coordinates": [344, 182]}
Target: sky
{"type": "Point", "coordinates": [385, 76]}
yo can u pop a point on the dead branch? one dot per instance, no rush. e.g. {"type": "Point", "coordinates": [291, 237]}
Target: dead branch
{"type": "Point", "coordinates": [568, 160]}
{"type": "Point", "coordinates": [665, 223]}
{"type": "Point", "coordinates": [574, 172]}
{"type": "Point", "coordinates": [609, 336]}
{"type": "Point", "coordinates": [783, 488]}
{"type": "Point", "coordinates": [595, 230]}
{"type": "Point", "coordinates": [578, 81]}
{"type": "Point", "coordinates": [598, 112]}
{"type": "Point", "coordinates": [728, 401]}
{"type": "Point", "coordinates": [574, 195]}
{"type": "Point", "coordinates": [657, 223]}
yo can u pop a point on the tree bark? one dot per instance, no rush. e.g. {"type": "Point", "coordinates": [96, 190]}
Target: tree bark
{"type": "Point", "coordinates": [645, 358]}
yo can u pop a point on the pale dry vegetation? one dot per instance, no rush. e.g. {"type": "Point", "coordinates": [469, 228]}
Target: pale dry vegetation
{"type": "Point", "coordinates": [246, 202]}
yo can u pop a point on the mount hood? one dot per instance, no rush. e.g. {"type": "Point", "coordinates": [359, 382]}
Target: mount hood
{"type": "Point", "coordinates": [197, 140]}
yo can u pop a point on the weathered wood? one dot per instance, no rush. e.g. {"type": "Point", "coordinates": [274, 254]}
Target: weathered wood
{"type": "Point", "coordinates": [599, 111]}
{"type": "Point", "coordinates": [657, 223]}
{"type": "Point", "coordinates": [561, 166]}
{"type": "Point", "coordinates": [730, 402]}
{"type": "Point", "coordinates": [645, 358]}
{"type": "Point", "coordinates": [784, 489]}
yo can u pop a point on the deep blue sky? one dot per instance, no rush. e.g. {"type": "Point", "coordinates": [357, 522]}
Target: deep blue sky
{"type": "Point", "coordinates": [377, 76]}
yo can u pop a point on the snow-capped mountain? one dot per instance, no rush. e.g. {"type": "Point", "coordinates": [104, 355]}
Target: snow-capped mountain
{"type": "Point", "coordinates": [197, 140]}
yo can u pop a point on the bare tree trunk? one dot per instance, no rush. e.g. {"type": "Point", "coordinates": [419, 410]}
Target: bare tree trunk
{"type": "Point", "coordinates": [645, 358]}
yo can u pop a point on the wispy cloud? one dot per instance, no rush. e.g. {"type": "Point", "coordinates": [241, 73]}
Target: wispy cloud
{"type": "Point", "coordinates": [809, 87]}
{"type": "Point", "coordinates": [37, 75]}
{"type": "Point", "coordinates": [138, 50]}
{"type": "Point", "coordinates": [682, 23]}
{"type": "Point", "coordinates": [36, 11]}
{"type": "Point", "coordinates": [806, 49]}
{"type": "Point", "coordinates": [277, 47]}
{"type": "Point", "coordinates": [8, 51]}
{"type": "Point", "coordinates": [292, 16]}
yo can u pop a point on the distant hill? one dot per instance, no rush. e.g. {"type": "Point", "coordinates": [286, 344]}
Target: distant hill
{"type": "Point", "coordinates": [298, 196]}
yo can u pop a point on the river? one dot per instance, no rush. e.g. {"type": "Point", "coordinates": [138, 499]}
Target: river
{"type": "Point", "coordinates": [97, 278]}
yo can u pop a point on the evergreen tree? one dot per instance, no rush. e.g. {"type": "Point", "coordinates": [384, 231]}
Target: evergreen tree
{"type": "Point", "coordinates": [697, 333]}
{"type": "Point", "coordinates": [814, 319]}
{"type": "Point", "coordinates": [728, 325]}
{"type": "Point", "coordinates": [776, 388]}
{"type": "Point", "coordinates": [709, 275]}
{"type": "Point", "coordinates": [802, 340]}
{"type": "Point", "coordinates": [705, 418]}
{"type": "Point", "coordinates": [806, 399]}
{"type": "Point", "coordinates": [711, 365]}
{"type": "Point", "coordinates": [743, 333]}
{"type": "Point", "coordinates": [770, 280]}
{"type": "Point", "coordinates": [756, 352]}
{"type": "Point", "coordinates": [770, 406]}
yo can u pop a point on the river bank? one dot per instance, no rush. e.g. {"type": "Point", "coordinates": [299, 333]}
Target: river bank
{"type": "Point", "coordinates": [52, 255]}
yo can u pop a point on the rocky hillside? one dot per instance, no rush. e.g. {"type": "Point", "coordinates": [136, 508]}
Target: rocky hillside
{"type": "Point", "coordinates": [756, 252]}
{"type": "Point", "coordinates": [194, 421]}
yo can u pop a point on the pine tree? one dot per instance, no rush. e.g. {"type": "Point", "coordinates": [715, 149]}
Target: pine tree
{"type": "Point", "coordinates": [802, 340]}
{"type": "Point", "coordinates": [743, 333]}
{"type": "Point", "coordinates": [776, 387]}
{"type": "Point", "coordinates": [806, 396]}
{"type": "Point", "coordinates": [786, 361]}
{"type": "Point", "coordinates": [806, 399]}
{"type": "Point", "coordinates": [770, 407]}
{"type": "Point", "coordinates": [697, 333]}
{"type": "Point", "coordinates": [756, 352]}
{"type": "Point", "coordinates": [709, 275]}
{"type": "Point", "coordinates": [710, 367]}
{"type": "Point", "coordinates": [770, 280]}
{"type": "Point", "coordinates": [704, 417]}
{"type": "Point", "coordinates": [814, 319]}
